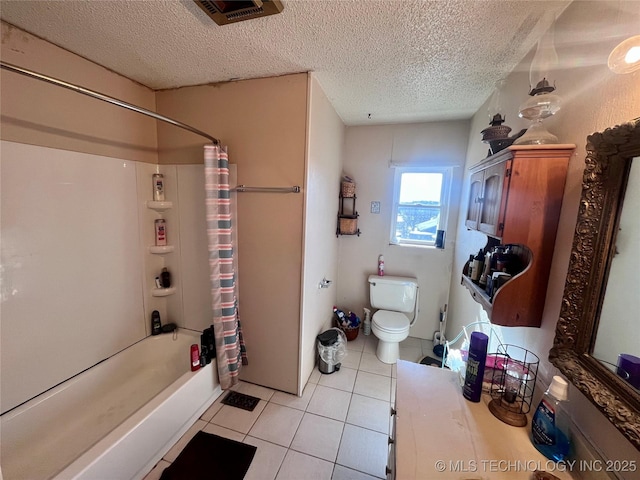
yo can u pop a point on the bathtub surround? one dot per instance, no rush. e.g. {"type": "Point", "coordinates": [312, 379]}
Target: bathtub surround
{"type": "Point", "coordinates": [220, 225]}
{"type": "Point", "coordinates": [140, 401]}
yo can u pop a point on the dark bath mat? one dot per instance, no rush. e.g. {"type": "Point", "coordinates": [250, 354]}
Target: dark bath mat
{"type": "Point", "coordinates": [240, 400]}
{"type": "Point", "coordinates": [209, 456]}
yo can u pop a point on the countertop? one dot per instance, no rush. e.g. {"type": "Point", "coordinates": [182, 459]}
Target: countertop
{"type": "Point", "coordinates": [441, 435]}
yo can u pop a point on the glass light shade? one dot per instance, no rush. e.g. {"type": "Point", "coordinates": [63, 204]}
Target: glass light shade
{"type": "Point", "coordinates": [546, 58]}
{"type": "Point", "coordinates": [625, 58]}
{"type": "Point", "coordinates": [496, 106]}
{"type": "Point", "coordinates": [537, 108]}
{"type": "Point", "coordinates": [540, 106]}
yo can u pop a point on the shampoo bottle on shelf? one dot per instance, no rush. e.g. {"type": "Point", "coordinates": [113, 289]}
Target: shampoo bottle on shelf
{"type": "Point", "coordinates": [550, 427]}
{"type": "Point", "coordinates": [478, 263]}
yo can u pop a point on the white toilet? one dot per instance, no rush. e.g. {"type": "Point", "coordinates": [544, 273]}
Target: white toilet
{"type": "Point", "coordinates": [394, 297]}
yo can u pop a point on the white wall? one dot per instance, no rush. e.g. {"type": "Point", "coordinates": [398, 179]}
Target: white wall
{"type": "Point", "coordinates": [594, 99]}
{"type": "Point", "coordinates": [325, 141]}
{"type": "Point", "coordinates": [368, 151]}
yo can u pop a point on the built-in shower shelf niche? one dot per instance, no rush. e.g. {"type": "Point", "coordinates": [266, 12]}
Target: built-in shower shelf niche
{"type": "Point", "coordinates": [161, 249]}
{"type": "Point", "coordinates": [159, 206]}
{"type": "Point", "coordinates": [163, 292]}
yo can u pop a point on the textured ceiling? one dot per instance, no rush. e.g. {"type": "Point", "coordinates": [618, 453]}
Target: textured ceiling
{"type": "Point", "coordinates": [398, 60]}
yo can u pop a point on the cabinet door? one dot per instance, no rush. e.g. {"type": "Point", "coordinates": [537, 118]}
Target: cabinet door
{"type": "Point", "coordinates": [475, 195]}
{"type": "Point", "coordinates": [493, 200]}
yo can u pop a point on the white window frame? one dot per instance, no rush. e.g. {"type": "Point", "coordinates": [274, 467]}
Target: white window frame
{"type": "Point", "coordinates": [444, 202]}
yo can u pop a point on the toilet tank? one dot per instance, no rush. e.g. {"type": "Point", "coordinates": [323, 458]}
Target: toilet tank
{"type": "Point", "coordinates": [397, 294]}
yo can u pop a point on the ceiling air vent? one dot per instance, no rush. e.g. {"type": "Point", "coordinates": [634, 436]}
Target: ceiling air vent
{"type": "Point", "coordinates": [231, 11]}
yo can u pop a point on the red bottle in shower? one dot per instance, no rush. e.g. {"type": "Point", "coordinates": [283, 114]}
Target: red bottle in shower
{"type": "Point", "coordinates": [195, 357]}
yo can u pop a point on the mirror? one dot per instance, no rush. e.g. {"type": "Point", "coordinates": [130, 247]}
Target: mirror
{"type": "Point", "coordinates": [618, 326]}
{"type": "Point", "coordinates": [592, 268]}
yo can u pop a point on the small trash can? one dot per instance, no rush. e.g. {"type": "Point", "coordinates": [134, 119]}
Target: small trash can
{"type": "Point", "coordinates": [332, 347]}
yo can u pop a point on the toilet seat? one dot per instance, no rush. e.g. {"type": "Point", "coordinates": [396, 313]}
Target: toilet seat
{"type": "Point", "coordinates": [391, 322]}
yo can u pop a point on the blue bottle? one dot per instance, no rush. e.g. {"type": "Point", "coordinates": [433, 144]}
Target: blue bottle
{"type": "Point", "coordinates": [472, 389]}
{"type": "Point", "coordinates": [549, 429]}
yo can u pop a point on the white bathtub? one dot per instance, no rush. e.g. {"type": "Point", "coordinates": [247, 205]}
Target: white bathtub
{"type": "Point", "coordinates": [113, 421]}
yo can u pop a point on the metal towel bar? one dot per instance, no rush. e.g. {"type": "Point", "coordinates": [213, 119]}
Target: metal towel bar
{"type": "Point", "coordinates": [244, 188]}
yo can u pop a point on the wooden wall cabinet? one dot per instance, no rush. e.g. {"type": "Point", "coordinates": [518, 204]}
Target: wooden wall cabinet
{"type": "Point", "coordinates": [515, 198]}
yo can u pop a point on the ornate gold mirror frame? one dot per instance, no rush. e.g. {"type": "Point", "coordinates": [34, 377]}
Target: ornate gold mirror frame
{"type": "Point", "coordinates": [609, 156]}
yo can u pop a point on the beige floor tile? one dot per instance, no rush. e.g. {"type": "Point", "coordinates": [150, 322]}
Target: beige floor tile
{"type": "Point", "coordinates": [213, 409]}
{"type": "Point", "coordinates": [299, 466]}
{"type": "Point", "coordinates": [369, 413]}
{"type": "Point", "coordinates": [329, 402]}
{"type": "Point", "coordinates": [157, 470]}
{"type": "Point", "coordinates": [344, 473]}
{"type": "Point", "coordinates": [411, 354]}
{"type": "Point", "coordinates": [411, 342]}
{"type": "Point", "coordinates": [372, 385]}
{"type": "Point", "coordinates": [277, 424]}
{"type": "Point", "coordinates": [393, 391]}
{"type": "Point", "coordinates": [343, 379]}
{"type": "Point", "coordinates": [364, 450]}
{"type": "Point", "coordinates": [294, 401]}
{"type": "Point", "coordinates": [254, 390]}
{"type": "Point", "coordinates": [358, 343]}
{"type": "Point", "coordinates": [370, 363]}
{"type": "Point", "coordinates": [371, 344]}
{"type": "Point", "coordinates": [352, 359]}
{"type": "Point", "coordinates": [318, 436]}
{"type": "Point", "coordinates": [315, 376]}
{"type": "Point", "coordinates": [238, 419]}
{"type": "Point", "coordinates": [224, 432]}
{"type": "Point", "coordinates": [267, 460]}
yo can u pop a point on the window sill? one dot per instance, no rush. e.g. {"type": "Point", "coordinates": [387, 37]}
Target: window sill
{"type": "Point", "coordinates": [413, 245]}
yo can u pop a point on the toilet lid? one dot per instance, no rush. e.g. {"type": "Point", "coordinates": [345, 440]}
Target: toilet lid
{"type": "Point", "coordinates": [390, 321]}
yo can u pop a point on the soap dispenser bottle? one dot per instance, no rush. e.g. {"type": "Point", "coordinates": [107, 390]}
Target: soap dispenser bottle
{"type": "Point", "coordinates": [550, 426]}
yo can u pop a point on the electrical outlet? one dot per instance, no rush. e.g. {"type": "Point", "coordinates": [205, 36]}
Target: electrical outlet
{"type": "Point", "coordinates": [375, 207]}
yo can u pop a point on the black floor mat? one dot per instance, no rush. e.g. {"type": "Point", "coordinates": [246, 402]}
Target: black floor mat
{"type": "Point", "coordinates": [240, 400]}
{"type": "Point", "coordinates": [209, 456]}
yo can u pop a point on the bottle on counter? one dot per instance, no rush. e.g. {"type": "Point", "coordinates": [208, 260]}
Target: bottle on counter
{"type": "Point", "coordinates": [550, 426]}
{"type": "Point", "coordinates": [472, 389]}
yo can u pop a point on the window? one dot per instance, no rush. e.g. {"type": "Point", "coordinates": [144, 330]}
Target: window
{"type": "Point", "coordinates": [419, 204]}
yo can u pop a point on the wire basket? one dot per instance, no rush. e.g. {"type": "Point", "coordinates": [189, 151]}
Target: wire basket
{"type": "Point", "coordinates": [348, 189]}
{"type": "Point", "coordinates": [515, 370]}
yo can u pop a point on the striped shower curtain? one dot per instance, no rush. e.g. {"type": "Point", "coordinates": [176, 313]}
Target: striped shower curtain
{"type": "Point", "coordinates": [230, 349]}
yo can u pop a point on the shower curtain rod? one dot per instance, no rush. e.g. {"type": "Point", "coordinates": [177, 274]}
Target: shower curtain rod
{"type": "Point", "coordinates": [244, 188]}
{"type": "Point", "coordinates": [104, 98]}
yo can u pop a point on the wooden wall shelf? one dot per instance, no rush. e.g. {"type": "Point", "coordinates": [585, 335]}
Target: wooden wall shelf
{"type": "Point", "coordinates": [515, 197]}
